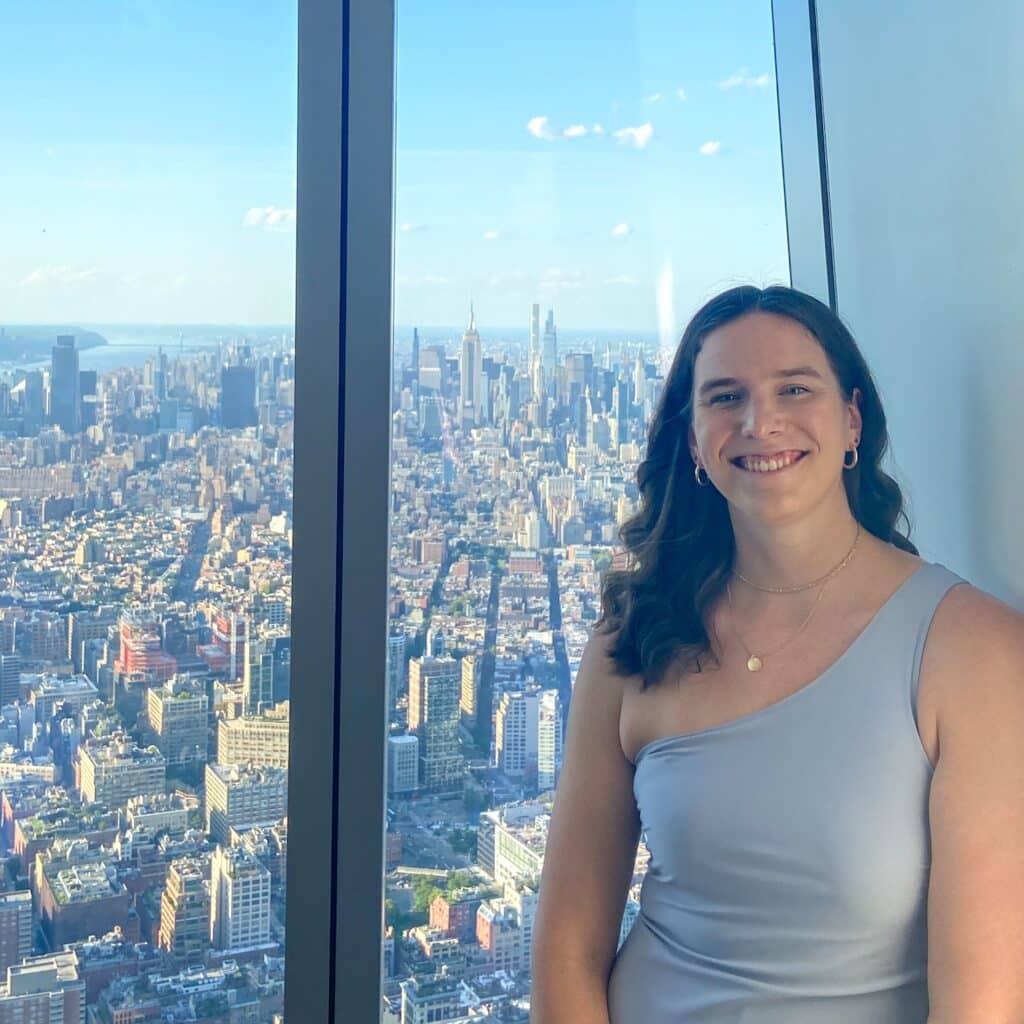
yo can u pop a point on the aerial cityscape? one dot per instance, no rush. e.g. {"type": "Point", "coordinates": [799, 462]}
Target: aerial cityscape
{"type": "Point", "coordinates": [145, 607]}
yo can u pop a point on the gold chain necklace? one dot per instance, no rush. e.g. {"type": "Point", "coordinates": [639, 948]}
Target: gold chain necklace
{"type": "Point", "coordinates": [755, 662]}
{"type": "Point", "coordinates": [805, 586]}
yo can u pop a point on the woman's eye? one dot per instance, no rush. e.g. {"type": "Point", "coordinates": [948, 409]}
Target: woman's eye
{"type": "Point", "coordinates": [729, 396]}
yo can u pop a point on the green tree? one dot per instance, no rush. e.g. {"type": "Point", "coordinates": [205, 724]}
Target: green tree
{"type": "Point", "coordinates": [424, 893]}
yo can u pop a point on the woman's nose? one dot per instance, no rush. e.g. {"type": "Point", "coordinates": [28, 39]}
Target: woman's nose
{"type": "Point", "coordinates": [760, 417]}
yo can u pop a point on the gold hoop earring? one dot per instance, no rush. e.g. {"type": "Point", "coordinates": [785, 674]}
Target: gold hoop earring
{"type": "Point", "coordinates": [856, 458]}
{"type": "Point", "coordinates": [697, 470]}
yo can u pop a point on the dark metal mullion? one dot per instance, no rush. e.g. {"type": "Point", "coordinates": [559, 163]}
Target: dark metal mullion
{"type": "Point", "coordinates": [365, 427]}
{"type": "Point", "coordinates": [803, 148]}
{"type": "Point", "coordinates": [819, 113]}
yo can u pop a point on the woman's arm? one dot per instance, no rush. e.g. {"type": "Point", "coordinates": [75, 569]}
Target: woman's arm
{"type": "Point", "coordinates": [976, 892]}
{"type": "Point", "coordinates": [588, 861]}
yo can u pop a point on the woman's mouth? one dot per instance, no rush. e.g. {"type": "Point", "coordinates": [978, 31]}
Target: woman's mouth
{"type": "Point", "coordinates": [769, 464]}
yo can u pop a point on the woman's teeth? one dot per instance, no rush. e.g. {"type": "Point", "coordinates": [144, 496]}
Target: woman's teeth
{"type": "Point", "coordinates": [770, 465]}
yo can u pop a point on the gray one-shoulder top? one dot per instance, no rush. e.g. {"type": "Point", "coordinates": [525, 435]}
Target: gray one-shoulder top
{"type": "Point", "coordinates": [790, 849]}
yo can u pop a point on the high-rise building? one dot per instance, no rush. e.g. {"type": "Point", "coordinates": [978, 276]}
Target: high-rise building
{"type": "Point", "coordinates": [470, 671]}
{"type": "Point", "coordinates": [403, 763]}
{"type": "Point", "coordinates": [396, 666]}
{"type": "Point", "coordinates": [185, 910]}
{"type": "Point", "coordinates": [238, 397]}
{"type": "Point", "coordinates": [534, 337]}
{"type": "Point", "coordinates": [240, 795]}
{"type": "Point", "coordinates": [260, 739]}
{"type": "Point", "coordinates": [239, 899]}
{"type": "Point", "coordinates": [47, 989]}
{"type": "Point", "coordinates": [84, 626]}
{"type": "Point", "coordinates": [32, 403]}
{"type": "Point", "coordinates": [415, 351]}
{"type": "Point", "coordinates": [266, 674]}
{"type": "Point", "coordinates": [470, 369]}
{"type": "Point", "coordinates": [516, 732]}
{"type": "Point", "coordinates": [178, 712]}
{"type": "Point", "coordinates": [15, 928]}
{"type": "Point", "coordinates": [433, 370]}
{"type": "Point", "coordinates": [113, 769]}
{"type": "Point", "coordinates": [549, 349]}
{"type": "Point", "coordinates": [434, 690]}
{"type": "Point", "coordinates": [65, 386]}
{"type": "Point", "coordinates": [141, 652]}
{"type": "Point", "coordinates": [10, 678]}
{"type": "Point", "coordinates": [549, 740]}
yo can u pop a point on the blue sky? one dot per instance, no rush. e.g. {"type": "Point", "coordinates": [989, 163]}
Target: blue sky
{"type": "Point", "coordinates": [618, 161]}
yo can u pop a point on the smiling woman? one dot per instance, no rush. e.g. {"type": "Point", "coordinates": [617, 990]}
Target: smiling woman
{"type": "Point", "coordinates": [807, 902]}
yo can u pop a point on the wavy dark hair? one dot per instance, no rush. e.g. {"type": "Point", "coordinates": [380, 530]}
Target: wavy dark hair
{"type": "Point", "coordinates": [680, 545]}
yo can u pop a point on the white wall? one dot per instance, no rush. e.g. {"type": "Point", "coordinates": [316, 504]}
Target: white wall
{"type": "Point", "coordinates": [923, 105]}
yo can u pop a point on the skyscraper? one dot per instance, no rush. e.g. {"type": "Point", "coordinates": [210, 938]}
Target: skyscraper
{"type": "Point", "coordinates": [32, 403]}
{"type": "Point", "coordinates": [185, 910]}
{"type": "Point", "coordinates": [65, 386]}
{"type": "Point", "coordinates": [434, 690]}
{"type": "Point", "coordinates": [15, 928]}
{"type": "Point", "coordinates": [266, 671]}
{"type": "Point", "coordinates": [534, 340]}
{"type": "Point", "coordinates": [238, 397]}
{"type": "Point", "coordinates": [469, 371]}
{"type": "Point", "coordinates": [550, 346]}
{"type": "Point", "coordinates": [549, 740]}
{"type": "Point", "coordinates": [516, 732]}
{"type": "Point", "coordinates": [239, 899]}
{"type": "Point", "coordinates": [10, 678]}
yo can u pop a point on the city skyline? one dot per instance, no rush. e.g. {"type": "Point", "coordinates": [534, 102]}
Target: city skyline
{"type": "Point", "coordinates": [627, 180]}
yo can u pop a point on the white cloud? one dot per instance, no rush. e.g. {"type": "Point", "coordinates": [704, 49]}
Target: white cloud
{"type": "Point", "coordinates": [598, 129]}
{"type": "Point", "coordinates": [622, 279]}
{"type": "Point", "coordinates": [408, 227]}
{"type": "Point", "coordinates": [58, 275]}
{"type": "Point", "coordinates": [638, 136]}
{"type": "Point", "coordinates": [710, 148]}
{"type": "Point", "coordinates": [681, 93]}
{"type": "Point", "coordinates": [491, 235]}
{"type": "Point", "coordinates": [435, 279]}
{"type": "Point", "coordinates": [273, 218]}
{"type": "Point", "coordinates": [743, 77]}
{"type": "Point", "coordinates": [557, 279]}
{"type": "Point", "coordinates": [621, 230]}
{"type": "Point", "coordinates": [539, 128]}
{"type": "Point", "coordinates": [655, 97]}
{"type": "Point", "coordinates": [575, 131]}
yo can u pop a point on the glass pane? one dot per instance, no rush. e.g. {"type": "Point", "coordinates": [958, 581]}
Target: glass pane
{"type": "Point", "coordinates": [146, 383]}
{"type": "Point", "coordinates": [564, 202]}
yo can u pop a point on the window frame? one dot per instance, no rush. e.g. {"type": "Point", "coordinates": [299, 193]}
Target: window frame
{"type": "Point", "coordinates": [343, 267]}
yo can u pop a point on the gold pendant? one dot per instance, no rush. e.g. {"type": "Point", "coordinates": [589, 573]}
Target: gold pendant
{"type": "Point", "coordinates": [754, 663]}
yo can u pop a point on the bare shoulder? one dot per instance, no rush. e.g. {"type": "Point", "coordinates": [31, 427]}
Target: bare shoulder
{"type": "Point", "coordinates": [975, 652]}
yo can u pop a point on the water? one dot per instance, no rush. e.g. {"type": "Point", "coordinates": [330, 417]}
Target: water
{"type": "Point", "coordinates": [132, 345]}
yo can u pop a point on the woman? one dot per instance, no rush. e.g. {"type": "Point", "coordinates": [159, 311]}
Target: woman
{"type": "Point", "coordinates": [820, 734]}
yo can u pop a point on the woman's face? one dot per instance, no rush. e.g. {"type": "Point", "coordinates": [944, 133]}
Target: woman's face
{"type": "Point", "coordinates": [763, 386]}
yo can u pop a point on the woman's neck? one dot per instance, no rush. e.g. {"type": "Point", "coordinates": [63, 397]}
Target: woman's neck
{"type": "Point", "coordinates": [794, 554]}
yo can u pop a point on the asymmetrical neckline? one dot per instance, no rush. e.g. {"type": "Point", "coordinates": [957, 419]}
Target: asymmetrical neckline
{"type": "Point", "coordinates": [682, 737]}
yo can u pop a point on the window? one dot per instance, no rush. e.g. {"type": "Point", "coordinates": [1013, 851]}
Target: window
{"type": "Point", "coordinates": [147, 374]}
{"type": "Point", "coordinates": [564, 202]}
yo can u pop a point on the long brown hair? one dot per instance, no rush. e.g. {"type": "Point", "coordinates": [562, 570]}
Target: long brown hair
{"type": "Point", "coordinates": [680, 542]}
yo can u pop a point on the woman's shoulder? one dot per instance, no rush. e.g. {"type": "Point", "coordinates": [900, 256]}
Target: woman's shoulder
{"type": "Point", "coordinates": [975, 652]}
